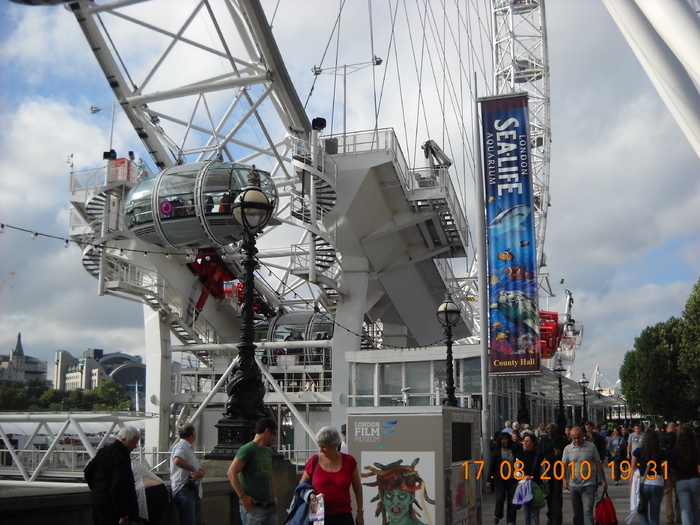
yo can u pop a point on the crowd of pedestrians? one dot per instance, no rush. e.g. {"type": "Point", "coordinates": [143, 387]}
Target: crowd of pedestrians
{"type": "Point", "coordinates": [659, 465]}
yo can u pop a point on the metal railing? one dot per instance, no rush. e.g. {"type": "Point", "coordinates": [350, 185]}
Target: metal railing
{"type": "Point", "coordinates": [57, 459]}
{"type": "Point", "coordinates": [147, 283]}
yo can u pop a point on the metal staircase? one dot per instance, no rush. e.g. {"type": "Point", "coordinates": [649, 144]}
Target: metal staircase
{"type": "Point", "coordinates": [316, 260]}
{"type": "Point", "coordinates": [121, 275]}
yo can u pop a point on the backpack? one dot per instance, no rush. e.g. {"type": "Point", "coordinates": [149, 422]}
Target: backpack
{"type": "Point", "coordinates": [605, 511]}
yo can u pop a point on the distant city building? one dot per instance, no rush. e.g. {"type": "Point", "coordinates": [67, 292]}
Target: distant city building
{"type": "Point", "coordinates": [94, 367]}
{"type": "Point", "coordinates": [20, 367]}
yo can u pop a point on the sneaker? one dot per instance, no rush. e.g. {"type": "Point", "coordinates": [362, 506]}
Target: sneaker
{"type": "Point", "coordinates": [495, 521]}
{"type": "Point", "coordinates": [617, 482]}
{"type": "Point", "coordinates": [566, 491]}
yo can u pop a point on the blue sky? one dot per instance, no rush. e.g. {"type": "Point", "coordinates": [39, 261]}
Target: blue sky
{"type": "Point", "coordinates": [622, 230]}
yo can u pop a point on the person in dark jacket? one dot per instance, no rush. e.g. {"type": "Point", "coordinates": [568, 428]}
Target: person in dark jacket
{"type": "Point", "coordinates": [532, 468]}
{"type": "Point", "coordinates": [667, 440]}
{"type": "Point", "coordinates": [551, 447]}
{"type": "Point", "coordinates": [111, 481]}
{"type": "Point", "coordinates": [502, 477]}
{"type": "Point", "coordinates": [599, 442]}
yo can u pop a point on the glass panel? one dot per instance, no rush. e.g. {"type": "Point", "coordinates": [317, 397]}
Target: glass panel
{"type": "Point", "coordinates": [420, 401]}
{"type": "Point", "coordinates": [261, 330]}
{"type": "Point", "coordinates": [472, 374]}
{"type": "Point", "coordinates": [217, 184]}
{"type": "Point", "coordinates": [365, 379]}
{"type": "Point", "coordinates": [137, 207]}
{"type": "Point", "coordinates": [322, 328]}
{"type": "Point", "coordinates": [289, 332]}
{"type": "Point", "coordinates": [439, 374]}
{"type": "Point", "coordinates": [418, 378]}
{"type": "Point", "coordinates": [389, 401]}
{"type": "Point", "coordinates": [390, 378]}
{"type": "Point", "coordinates": [364, 401]}
{"type": "Point", "coordinates": [176, 195]}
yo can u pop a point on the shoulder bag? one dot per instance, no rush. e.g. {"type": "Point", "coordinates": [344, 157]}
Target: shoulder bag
{"type": "Point", "coordinates": [643, 504]}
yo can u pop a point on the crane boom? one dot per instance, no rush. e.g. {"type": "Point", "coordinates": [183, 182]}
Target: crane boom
{"type": "Point", "coordinates": [4, 281]}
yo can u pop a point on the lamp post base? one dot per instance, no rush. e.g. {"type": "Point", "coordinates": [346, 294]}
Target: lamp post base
{"type": "Point", "coordinates": [233, 434]}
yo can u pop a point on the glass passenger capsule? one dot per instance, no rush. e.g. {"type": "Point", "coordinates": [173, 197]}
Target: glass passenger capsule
{"type": "Point", "coordinates": [189, 206]}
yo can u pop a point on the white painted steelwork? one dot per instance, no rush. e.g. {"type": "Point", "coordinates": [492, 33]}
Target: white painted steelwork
{"type": "Point", "coordinates": [665, 35]}
{"type": "Point", "coordinates": [522, 64]}
{"type": "Point", "coordinates": [31, 463]}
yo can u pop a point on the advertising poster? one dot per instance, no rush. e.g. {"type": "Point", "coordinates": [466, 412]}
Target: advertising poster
{"type": "Point", "coordinates": [510, 233]}
{"type": "Point", "coordinates": [398, 487]}
{"type": "Point", "coordinates": [462, 496]}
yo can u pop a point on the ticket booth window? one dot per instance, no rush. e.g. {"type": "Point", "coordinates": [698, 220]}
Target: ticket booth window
{"type": "Point", "coordinates": [391, 378]}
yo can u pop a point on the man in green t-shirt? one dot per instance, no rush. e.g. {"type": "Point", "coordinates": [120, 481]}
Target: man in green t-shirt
{"type": "Point", "coordinates": [250, 474]}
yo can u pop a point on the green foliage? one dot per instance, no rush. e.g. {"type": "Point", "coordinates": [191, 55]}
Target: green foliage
{"type": "Point", "coordinates": [689, 359]}
{"type": "Point", "coordinates": [661, 375]}
{"type": "Point", "coordinates": [36, 396]}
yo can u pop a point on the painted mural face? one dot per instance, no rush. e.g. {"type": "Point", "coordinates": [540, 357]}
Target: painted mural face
{"type": "Point", "coordinates": [397, 486]}
{"type": "Point", "coordinates": [397, 503]}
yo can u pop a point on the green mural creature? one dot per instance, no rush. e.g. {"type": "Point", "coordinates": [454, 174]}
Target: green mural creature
{"type": "Point", "coordinates": [397, 485]}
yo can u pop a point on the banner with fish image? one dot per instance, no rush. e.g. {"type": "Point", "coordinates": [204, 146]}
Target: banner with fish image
{"type": "Point", "coordinates": [514, 321]}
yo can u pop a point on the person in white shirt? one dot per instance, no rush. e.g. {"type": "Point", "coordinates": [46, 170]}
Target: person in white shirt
{"type": "Point", "coordinates": [185, 477]}
{"type": "Point", "coordinates": [344, 441]}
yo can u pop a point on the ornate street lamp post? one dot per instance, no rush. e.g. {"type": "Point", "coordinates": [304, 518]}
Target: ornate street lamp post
{"type": "Point", "coordinates": [245, 405]}
{"type": "Point", "coordinates": [584, 385]}
{"type": "Point", "coordinates": [448, 315]}
{"type": "Point", "coordinates": [561, 417]}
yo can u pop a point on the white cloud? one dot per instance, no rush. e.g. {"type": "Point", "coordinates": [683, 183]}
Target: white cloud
{"type": "Point", "coordinates": [622, 228]}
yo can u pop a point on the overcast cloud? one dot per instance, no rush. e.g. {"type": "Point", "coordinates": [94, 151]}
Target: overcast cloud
{"type": "Point", "coordinates": [622, 229]}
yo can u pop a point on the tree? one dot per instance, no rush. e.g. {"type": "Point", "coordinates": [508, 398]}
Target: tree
{"type": "Point", "coordinates": [13, 396]}
{"type": "Point", "coordinates": [660, 376]}
{"type": "Point", "coordinates": [689, 360]}
{"type": "Point", "coordinates": [35, 395]}
{"type": "Point", "coordinates": [110, 395]}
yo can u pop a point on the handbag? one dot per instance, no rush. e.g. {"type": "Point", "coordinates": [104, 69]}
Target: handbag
{"type": "Point", "coordinates": [523, 492]}
{"type": "Point", "coordinates": [528, 491]}
{"type": "Point", "coordinates": [643, 503]}
{"type": "Point", "coordinates": [605, 511]}
{"type": "Point", "coordinates": [537, 495]}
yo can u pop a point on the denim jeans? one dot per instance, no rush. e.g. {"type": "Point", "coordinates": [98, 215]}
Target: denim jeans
{"type": "Point", "coordinates": [582, 500]}
{"type": "Point", "coordinates": [688, 491]}
{"type": "Point", "coordinates": [190, 506]}
{"type": "Point", "coordinates": [532, 514]}
{"type": "Point", "coordinates": [655, 493]}
{"type": "Point", "coordinates": [259, 516]}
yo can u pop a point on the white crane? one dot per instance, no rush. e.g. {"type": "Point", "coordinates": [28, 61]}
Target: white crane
{"type": "Point", "coordinates": [4, 281]}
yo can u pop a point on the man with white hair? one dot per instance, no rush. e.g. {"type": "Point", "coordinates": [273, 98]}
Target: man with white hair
{"type": "Point", "coordinates": [186, 476]}
{"type": "Point", "coordinates": [111, 481]}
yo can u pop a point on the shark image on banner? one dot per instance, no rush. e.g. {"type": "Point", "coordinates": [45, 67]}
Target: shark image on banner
{"type": "Point", "coordinates": [509, 220]}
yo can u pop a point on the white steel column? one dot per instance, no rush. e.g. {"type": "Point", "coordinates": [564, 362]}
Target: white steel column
{"type": "Point", "coordinates": [666, 72]}
{"type": "Point", "coordinates": [347, 333]}
{"type": "Point", "coordinates": [679, 26]}
{"type": "Point", "coordinates": [158, 379]}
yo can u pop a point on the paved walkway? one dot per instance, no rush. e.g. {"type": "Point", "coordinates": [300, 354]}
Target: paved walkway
{"type": "Point", "coordinates": [619, 495]}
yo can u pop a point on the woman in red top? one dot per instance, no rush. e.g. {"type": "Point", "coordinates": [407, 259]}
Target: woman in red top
{"type": "Point", "coordinates": [332, 473]}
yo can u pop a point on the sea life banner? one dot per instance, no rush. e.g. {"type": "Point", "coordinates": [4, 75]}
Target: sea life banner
{"type": "Point", "coordinates": [514, 322]}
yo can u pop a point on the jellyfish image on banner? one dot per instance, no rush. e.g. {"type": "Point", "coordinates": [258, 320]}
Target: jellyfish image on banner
{"type": "Point", "coordinates": [399, 489]}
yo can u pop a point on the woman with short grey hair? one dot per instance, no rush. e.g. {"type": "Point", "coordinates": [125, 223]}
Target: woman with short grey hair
{"type": "Point", "coordinates": [329, 436]}
{"type": "Point", "coordinates": [332, 473]}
